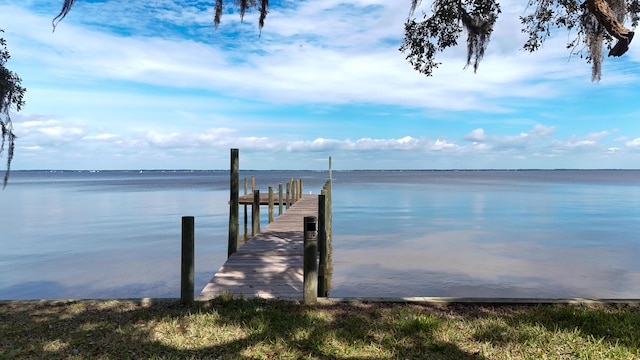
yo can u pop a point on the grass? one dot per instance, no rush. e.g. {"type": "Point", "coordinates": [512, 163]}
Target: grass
{"type": "Point", "coordinates": [227, 328]}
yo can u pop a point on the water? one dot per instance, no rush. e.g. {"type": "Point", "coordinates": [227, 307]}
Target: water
{"type": "Point", "coordinates": [488, 234]}
{"type": "Point", "coordinates": [116, 234]}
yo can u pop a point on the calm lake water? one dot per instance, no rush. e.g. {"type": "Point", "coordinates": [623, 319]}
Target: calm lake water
{"type": "Point", "coordinates": [116, 234]}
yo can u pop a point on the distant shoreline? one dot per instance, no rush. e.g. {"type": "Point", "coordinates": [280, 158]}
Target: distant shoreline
{"type": "Point", "coordinates": [309, 170]}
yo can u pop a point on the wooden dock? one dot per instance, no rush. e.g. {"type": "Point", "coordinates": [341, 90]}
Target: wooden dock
{"type": "Point", "coordinates": [264, 199]}
{"type": "Point", "coordinates": [269, 265]}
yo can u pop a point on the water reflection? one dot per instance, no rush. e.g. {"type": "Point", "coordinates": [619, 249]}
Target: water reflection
{"type": "Point", "coordinates": [512, 234]}
{"type": "Point", "coordinates": [465, 263]}
{"type": "Point", "coordinates": [542, 239]}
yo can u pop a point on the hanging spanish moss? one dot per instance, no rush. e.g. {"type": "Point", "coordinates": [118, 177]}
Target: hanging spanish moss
{"type": "Point", "coordinates": [11, 97]}
{"type": "Point", "coordinates": [594, 33]}
{"type": "Point", "coordinates": [264, 9]}
{"type": "Point", "coordinates": [441, 30]}
{"type": "Point", "coordinates": [66, 7]}
{"type": "Point", "coordinates": [218, 13]}
{"type": "Point", "coordinates": [8, 138]}
{"type": "Point", "coordinates": [619, 9]}
{"type": "Point", "coordinates": [479, 24]}
{"type": "Point", "coordinates": [603, 21]}
{"type": "Point", "coordinates": [243, 6]}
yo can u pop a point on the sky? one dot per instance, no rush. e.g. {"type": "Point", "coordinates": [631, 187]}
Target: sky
{"type": "Point", "coordinates": [153, 85]}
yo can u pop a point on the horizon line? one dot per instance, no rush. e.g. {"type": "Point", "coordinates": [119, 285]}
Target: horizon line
{"type": "Point", "coordinates": [326, 170]}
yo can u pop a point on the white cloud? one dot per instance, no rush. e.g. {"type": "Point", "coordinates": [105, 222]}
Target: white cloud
{"type": "Point", "coordinates": [477, 135]}
{"type": "Point", "coordinates": [101, 137]}
{"type": "Point", "coordinates": [119, 83]}
{"type": "Point", "coordinates": [318, 51]}
{"type": "Point", "coordinates": [541, 130]}
{"type": "Point", "coordinates": [633, 144]}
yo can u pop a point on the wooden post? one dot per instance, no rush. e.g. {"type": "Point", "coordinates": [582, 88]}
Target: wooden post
{"type": "Point", "coordinates": [253, 183]}
{"type": "Point", "coordinates": [270, 204]}
{"type": "Point", "coordinates": [234, 203]}
{"type": "Point", "coordinates": [310, 266]}
{"type": "Point", "coordinates": [287, 204]}
{"type": "Point", "coordinates": [322, 244]}
{"type": "Point", "coordinates": [280, 199]}
{"type": "Point", "coordinates": [330, 214]}
{"type": "Point", "coordinates": [255, 214]}
{"type": "Point", "coordinates": [299, 189]}
{"type": "Point", "coordinates": [187, 264]}
{"type": "Point", "coordinates": [293, 192]}
{"type": "Point", "coordinates": [246, 217]}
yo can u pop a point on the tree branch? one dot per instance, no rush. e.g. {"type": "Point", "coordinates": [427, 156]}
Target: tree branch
{"type": "Point", "coordinates": [601, 10]}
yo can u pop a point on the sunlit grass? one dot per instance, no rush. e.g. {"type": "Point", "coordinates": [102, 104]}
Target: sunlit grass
{"type": "Point", "coordinates": [227, 328]}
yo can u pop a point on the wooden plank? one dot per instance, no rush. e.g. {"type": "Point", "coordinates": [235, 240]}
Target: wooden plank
{"type": "Point", "coordinates": [264, 199]}
{"type": "Point", "coordinates": [269, 265]}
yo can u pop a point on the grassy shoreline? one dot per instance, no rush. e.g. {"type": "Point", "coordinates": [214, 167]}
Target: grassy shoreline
{"type": "Point", "coordinates": [227, 328]}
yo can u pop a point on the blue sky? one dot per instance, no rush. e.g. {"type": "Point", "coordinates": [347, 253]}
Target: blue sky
{"type": "Point", "coordinates": [151, 85]}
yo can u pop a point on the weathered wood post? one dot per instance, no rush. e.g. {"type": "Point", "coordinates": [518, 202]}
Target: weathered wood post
{"type": "Point", "coordinates": [187, 263]}
{"type": "Point", "coordinates": [329, 214]}
{"type": "Point", "coordinates": [293, 191]}
{"type": "Point", "coordinates": [330, 207]}
{"type": "Point", "coordinates": [234, 203]}
{"type": "Point", "coordinates": [299, 189]}
{"type": "Point", "coordinates": [280, 199]}
{"type": "Point", "coordinates": [270, 204]}
{"type": "Point", "coordinates": [287, 204]}
{"type": "Point", "coordinates": [322, 245]}
{"type": "Point", "coordinates": [255, 213]}
{"type": "Point", "coordinates": [310, 265]}
{"type": "Point", "coordinates": [245, 212]}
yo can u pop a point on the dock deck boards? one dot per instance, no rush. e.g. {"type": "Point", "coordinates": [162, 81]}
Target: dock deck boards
{"type": "Point", "coordinates": [269, 265]}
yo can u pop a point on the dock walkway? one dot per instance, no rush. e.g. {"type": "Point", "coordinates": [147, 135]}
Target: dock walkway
{"type": "Point", "coordinates": [269, 265]}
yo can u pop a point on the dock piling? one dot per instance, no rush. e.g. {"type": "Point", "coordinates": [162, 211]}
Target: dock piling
{"type": "Point", "coordinates": [234, 202]}
{"type": "Point", "coordinates": [287, 203]}
{"type": "Point", "coordinates": [322, 246]}
{"type": "Point", "coordinates": [270, 205]}
{"type": "Point", "coordinates": [280, 199]}
{"type": "Point", "coordinates": [255, 213]}
{"type": "Point", "coordinates": [187, 264]}
{"type": "Point", "coordinates": [245, 213]}
{"type": "Point", "coordinates": [310, 260]}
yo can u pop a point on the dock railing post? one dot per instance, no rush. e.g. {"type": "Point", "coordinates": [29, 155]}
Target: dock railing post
{"type": "Point", "coordinates": [310, 265]}
{"type": "Point", "coordinates": [255, 213]}
{"type": "Point", "coordinates": [234, 203]}
{"type": "Point", "coordinates": [280, 199]}
{"type": "Point", "coordinates": [287, 203]}
{"type": "Point", "coordinates": [270, 199]}
{"type": "Point", "coordinates": [245, 213]}
{"type": "Point", "coordinates": [322, 245]}
{"type": "Point", "coordinates": [187, 263]}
